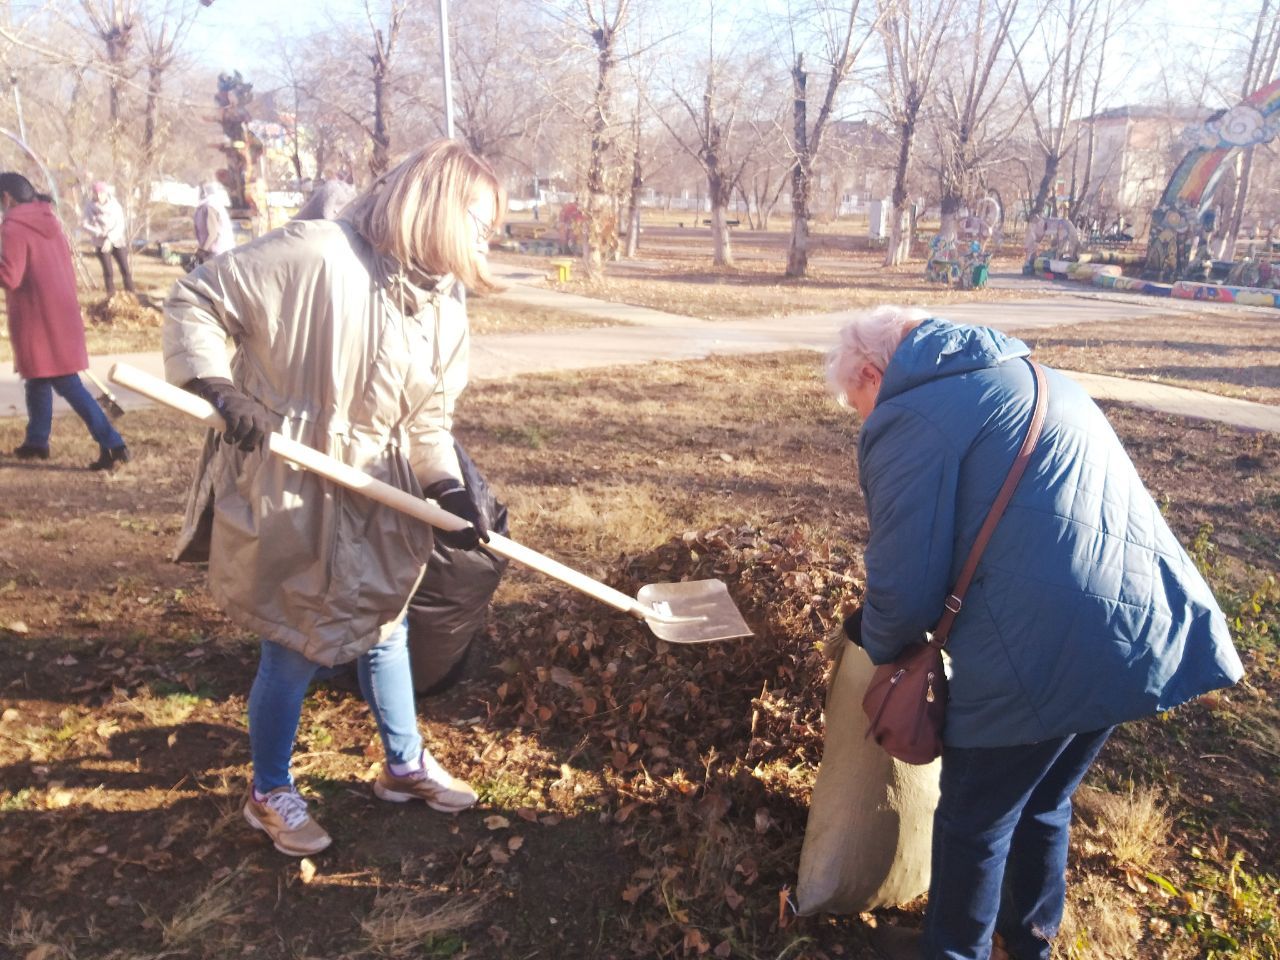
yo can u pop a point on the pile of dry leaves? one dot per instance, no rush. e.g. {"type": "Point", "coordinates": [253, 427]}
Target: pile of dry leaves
{"type": "Point", "coordinates": [707, 752]}
{"type": "Point", "coordinates": [124, 311]}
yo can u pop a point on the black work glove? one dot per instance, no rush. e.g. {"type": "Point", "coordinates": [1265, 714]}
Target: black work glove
{"type": "Point", "coordinates": [454, 497]}
{"type": "Point", "coordinates": [246, 423]}
{"type": "Point", "coordinates": [853, 626]}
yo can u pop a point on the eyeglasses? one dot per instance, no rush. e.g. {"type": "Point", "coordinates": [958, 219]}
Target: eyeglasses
{"type": "Point", "coordinates": [484, 228]}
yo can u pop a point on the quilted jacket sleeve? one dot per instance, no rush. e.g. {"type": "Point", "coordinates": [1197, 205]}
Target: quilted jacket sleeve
{"type": "Point", "coordinates": [909, 474]}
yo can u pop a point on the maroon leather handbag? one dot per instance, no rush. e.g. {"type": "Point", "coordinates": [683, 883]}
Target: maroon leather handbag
{"type": "Point", "coordinates": [906, 700]}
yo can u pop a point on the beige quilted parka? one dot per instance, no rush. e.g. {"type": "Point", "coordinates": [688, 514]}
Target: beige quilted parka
{"type": "Point", "coordinates": [350, 356]}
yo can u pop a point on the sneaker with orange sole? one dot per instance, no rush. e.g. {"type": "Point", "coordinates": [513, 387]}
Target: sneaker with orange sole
{"type": "Point", "coordinates": [282, 816]}
{"type": "Point", "coordinates": [430, 783]}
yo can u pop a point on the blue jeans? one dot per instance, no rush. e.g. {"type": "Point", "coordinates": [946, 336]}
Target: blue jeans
{"type": "Point", "coordinates": [1000, 846]}
{"type": "Point", "coordinates": [40, 410]}
{"type": "Point", "coordinates": [275, 704]}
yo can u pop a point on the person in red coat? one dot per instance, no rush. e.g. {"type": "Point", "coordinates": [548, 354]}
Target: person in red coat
{"type": "Point", "coordinates": [46, 327]}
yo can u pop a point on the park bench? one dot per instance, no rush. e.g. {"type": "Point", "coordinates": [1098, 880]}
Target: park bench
{"type": "Point", "coordinates": [728, 223]}
{"type": "Point", "coordinates": [525, 231]}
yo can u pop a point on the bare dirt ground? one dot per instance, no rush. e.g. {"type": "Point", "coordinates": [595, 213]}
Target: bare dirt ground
{"type": "Point", "coordinates": [637, 800]}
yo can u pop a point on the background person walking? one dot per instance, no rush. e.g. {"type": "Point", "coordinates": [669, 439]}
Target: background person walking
{"type": "Point", "coordinates": [104, 223]}
{"type": "Point", "coordinates": [46, 327]}
{"type": "Point", "coordinates": [215, 233]}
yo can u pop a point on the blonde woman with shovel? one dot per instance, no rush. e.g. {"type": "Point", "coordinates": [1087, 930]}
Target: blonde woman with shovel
{"type": "Point", "coordinates": [351, 337]}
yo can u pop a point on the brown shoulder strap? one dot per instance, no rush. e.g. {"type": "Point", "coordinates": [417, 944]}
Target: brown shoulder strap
{"type": "Point", "coordinates": [956, 598]}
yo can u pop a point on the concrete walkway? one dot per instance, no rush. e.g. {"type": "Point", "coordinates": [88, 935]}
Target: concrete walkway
{"type": "Point", "coordinates": [651, 335]}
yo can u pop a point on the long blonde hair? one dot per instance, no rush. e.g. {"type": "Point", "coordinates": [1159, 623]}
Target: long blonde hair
{"type": "Point", "coordinates": [416, 212]}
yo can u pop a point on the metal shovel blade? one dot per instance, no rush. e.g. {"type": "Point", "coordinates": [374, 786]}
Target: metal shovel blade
{"type": "Point", "coordinates": [695, 611]}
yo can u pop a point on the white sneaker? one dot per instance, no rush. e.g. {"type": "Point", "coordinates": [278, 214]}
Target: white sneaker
{"type": "Point", "coordinates": [430, 783]}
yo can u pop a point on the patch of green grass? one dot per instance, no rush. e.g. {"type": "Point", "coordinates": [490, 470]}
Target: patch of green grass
{"type": "Point", "coordinates": [506, 792]}
{"type": "Point", "coordinates": [448, 945]}
{"type": "Point", "coordinates": [533, 436]}
{"type": "Point", "coordinates": [162, 689]}
{"type": "Point", "coordinates": [318, 736]}
{"type": "Point", "coordinates": [1225, 911]}
{"type": "Point", "coordinates": [23, 799]}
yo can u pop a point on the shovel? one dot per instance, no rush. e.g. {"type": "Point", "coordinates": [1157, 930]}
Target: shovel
{"type": "Point", "coordinates": [106, 399]}
{"type": "Point", "coordinates": [695, 611]}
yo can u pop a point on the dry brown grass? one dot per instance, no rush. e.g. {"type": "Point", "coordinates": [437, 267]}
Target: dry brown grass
{"type": "Point", "coordinates": [197, 919]}
{"type": "Point", "coordinates": [403, 920]}
{"type": "Point", "coordinates": [1133, 827]}
{"type": "Point", "coordinates": [1099, 922]}
{"type": "Point", "coordinates": [494, 315]}
{"type": "Point", "coordinates": [759, 289]}
{"type": "Point", "coordinates": [1234, 355]}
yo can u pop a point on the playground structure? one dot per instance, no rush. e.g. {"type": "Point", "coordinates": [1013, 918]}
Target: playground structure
{"type": "Point", "coordinates": [242, 148]}
{"type": "Point", "coordinates": [963, 259]}
{"type": "Point", "coordinates": [1179, 260]}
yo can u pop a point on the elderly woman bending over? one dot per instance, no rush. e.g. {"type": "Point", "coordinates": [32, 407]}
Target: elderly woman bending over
{"type": "Point", "coordinates": [1084, 612]}
{"type": "Point", "coordinates": [350, 336]}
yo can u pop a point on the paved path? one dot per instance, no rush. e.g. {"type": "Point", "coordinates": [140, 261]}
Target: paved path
{"type": "Point", "coordinates": [653, 335]}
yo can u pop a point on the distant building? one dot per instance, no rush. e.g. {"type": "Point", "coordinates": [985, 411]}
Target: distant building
{"type": "Point", "coordinates": [1134, 151]}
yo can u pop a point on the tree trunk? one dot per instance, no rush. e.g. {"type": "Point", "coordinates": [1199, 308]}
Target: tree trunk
{"type": "Point", "coordinates": [1043, 192]}
{"type": "Point", "coordinates": [633, 213]}
{"type": "Point", "coordinates": [899, 246]}
{"type": "Point", "coordinates": [722, 251]}
{"type": "Point", "coordinates": [798, 252]}
{"type": "Point", "coordinates": [1235, 218]}
{"type": "Point", "coordinates": [597, 200]}
{"type": "Point", "coordinates": [380, 161]}
{"type": "Point", "coordinates": [150, 134]}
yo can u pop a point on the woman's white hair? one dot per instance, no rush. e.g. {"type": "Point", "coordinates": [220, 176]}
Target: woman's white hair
{"type": "Point", "coordinates": [870, 337]}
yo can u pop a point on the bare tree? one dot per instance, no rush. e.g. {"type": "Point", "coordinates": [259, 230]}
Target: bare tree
{"type": "Point", "coordinates": [381, 59]}
{"type": "Point", "coordinates": [913, 32]}
{"type": "Point", "coordinates": [1082, 180]}
{"type": "Point", "coordinates": [498, 109]}
{"type": "Point", "coordinates": [1264, 52]}
{"type": "Point", "coordinates": [712, 133]}
{"type": "Point", "coordinates": [972, 121]}
{"type": "Point", "coordinates": [842, 37]}
{"type": "Point", "coordinates": [113, 21]}
{"type": "Point", "coordinates": [1074, 42]}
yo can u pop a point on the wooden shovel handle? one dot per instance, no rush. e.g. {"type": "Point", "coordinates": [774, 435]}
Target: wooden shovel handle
{"type": "Point", "coordinates": [353, 479]}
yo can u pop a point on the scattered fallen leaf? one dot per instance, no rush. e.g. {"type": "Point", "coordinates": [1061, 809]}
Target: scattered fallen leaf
{"type": "Point", "coordinates": [496, 822]}
{"type": "Point", "coordinates": [17, 626]}
{"type": "Point", "coordinates": [306, 870]}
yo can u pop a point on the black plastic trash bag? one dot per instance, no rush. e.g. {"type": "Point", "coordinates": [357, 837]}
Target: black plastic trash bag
{"type": "Point", "coordinates": [448, 610]}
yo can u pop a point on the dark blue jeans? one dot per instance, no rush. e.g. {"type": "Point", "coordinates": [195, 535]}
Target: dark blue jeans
{"type": "Point", "coordinates": [1000, 846]}
{"type": "Point", "coordinates": [40, 410]}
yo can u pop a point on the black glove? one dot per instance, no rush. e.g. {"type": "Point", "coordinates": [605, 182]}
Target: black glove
{"type": "Point", "coordinates": [853, 626]}
{"type": "Point", "coordinates": [454, 497]}
{"type": "Point", "coordinates": [246, 423]}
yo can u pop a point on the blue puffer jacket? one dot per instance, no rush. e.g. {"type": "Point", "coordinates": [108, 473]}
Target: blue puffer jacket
{"type": "Point", "coordinates": [1085, 611]}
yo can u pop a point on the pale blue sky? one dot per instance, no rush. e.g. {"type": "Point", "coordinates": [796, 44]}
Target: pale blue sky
{"type": "Point", "coordinates": [237, 34]}
{"type": "Point", "coordinates": [240, 34]}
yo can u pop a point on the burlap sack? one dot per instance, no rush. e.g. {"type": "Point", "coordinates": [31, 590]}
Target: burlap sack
{"type": "Point", "coordinates": [870, 825]}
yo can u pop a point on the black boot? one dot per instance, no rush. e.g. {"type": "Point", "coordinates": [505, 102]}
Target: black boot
{"type": "Point", "coordinates": [110, 459]}
{"type": "Point", "coordinates": [31, 452]}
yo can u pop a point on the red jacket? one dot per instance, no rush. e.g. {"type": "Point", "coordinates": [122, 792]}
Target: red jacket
{"type": "Point", "coordinates": [45, 324]}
